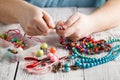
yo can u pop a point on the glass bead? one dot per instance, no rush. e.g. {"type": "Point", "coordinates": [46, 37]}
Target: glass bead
{"type": "Point", "coordinates": [67, 64]}
{"type": "Point", "coordinates": [66, 69]}
{"type": "Point", "coordinates": [72, 57]}
{"type": "Point", "coordinates": [14, 40]}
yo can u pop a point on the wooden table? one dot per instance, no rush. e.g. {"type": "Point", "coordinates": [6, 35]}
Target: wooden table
{"type": "Point", "coordinates": [108, 71]}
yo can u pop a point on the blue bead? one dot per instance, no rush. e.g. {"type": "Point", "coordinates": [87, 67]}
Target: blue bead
{"type": "Point", "coordinates": [14, 40]}
{"type": "Point", "coordinates": [9, 49]}
{"type": "Point", "coordinates": [84, 65]}
{"type": "Point", "coordinates": [82, 60]}
{"type": "Point", "coordinates": [67, 65]}
{"type": "Point", "coordinates": [88, 65]}
{"type": "Point", "coordinates": [66, 69]}
{"type": "Point", "coordinates": [101, 62]}
{"type": "Point", "coordinates": [93, 60]}
{"type": "Point", "coordinates": [89, 60]}
{"type": "Point", "coordinates": [72, 57]}
{"type": "Point", "coordinates": [97, 63]}
{"type": "Point", "coordinates": [86, 60]}
{"type": "Point", "coordinates": [75, 55]}
{"type": "Point", "coordinates": [77, 63]}
{"type": "Point", "coordinates": [92, 64]}
{"type": "Point", "coordinates": [78, 60]}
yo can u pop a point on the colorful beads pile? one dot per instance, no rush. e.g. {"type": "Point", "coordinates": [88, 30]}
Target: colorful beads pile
{"type": "Point", "coordinates": [87, 45]}
{"type": "Point", "coordinates": [14, 36]}
{"type": "Point", "coordinates": [82, 61]}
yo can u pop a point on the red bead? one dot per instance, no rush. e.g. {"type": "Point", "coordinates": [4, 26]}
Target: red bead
{"type": "Point", "coordinates": [53, 50]}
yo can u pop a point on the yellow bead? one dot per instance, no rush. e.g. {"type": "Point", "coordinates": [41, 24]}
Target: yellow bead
{"type": "Point", "coordinates": [72, 44]}
{"type": "Point", "coordinates": [44, 46]}
{"type": "Point", "coordinates": [39, 53]}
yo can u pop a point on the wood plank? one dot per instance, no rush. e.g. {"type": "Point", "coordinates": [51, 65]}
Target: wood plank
{"type": "Point", "coordinates": [7, 70]}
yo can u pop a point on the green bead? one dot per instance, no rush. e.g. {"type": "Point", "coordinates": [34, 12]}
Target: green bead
{"type": "Point", "coordinates": [91, 45]}
{"type": "Point", "coordinates": [44, 46]}
{"type": "Point", "coordinates": [14, 40]}
{"type": "Point", "coordinates": [39, 53]}
{"type": "Point", "coordinates": [5, 36]}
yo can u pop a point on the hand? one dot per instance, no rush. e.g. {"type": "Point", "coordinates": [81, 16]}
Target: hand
{"type": "Point", "coordinates": [35, 21]}
{"type": "Point", "coordinates": [76, 27]}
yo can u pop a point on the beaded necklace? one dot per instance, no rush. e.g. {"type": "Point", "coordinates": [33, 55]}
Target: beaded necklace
{"type": "Point", "coordinates": [82, 61]}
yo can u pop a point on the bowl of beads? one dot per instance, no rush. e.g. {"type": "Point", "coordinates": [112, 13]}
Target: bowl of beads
{"type": "Point", "coordinates": [15, 44]}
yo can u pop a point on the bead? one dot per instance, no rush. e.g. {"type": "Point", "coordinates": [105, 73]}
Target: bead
{"type": "Point", "coordinates": [53, 58]}
{"type": "Point", "coordinates": [44, 46]}
{"type": "Point", "coordinates": [72, 44]}
{"type": "Point", "coordinates": [14, 40]}
{"type": "Point", "coordinates": [39, 53]}
{"type": "Point", "coordinates": [72, 57]}
{"type": "Point", "coordinates": [5, 36]}
{"type": "Point", "coordinates": [49, 55]}
{"type": "Point", "coordinates": [53, 50]}
{"type": "Point", "coordinates": [66, 69]}
{"type": "Point", "coordinates": [13, 51]}
{"type": "Point", "coordinates": [67, 64]}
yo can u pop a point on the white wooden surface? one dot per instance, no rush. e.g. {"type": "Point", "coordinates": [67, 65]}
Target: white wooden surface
{"type": "Point", "coordinates": [109, 71]}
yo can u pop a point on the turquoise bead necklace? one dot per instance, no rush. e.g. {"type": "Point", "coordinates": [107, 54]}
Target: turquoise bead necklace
{"type": "Point", "coordinates": [84, 62]}
{"type": "Point", "coordinates": [87, 62]}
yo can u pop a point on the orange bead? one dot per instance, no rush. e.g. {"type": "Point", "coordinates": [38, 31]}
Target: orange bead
{"type": "Point", "coordinates": [52, 50]}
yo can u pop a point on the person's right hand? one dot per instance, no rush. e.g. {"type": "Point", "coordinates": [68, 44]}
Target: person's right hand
{"type": "Point", "coordinates": [35, 21]}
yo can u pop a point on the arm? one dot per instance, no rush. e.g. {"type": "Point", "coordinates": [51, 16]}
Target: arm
{"type": "Point", "coordinates": [107, 16]}
{"type": "Point", "coordinates": [80, 25]}
{"type": "Point", "coordinates": [34, 20]}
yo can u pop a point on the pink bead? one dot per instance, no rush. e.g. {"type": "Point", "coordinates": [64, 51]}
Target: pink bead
{"type": "Point", "coordinates": [53, 58]}
{"type": "Point", "coordinates": [49, 55]}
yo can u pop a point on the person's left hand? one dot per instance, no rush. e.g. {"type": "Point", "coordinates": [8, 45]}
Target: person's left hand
{"type": "Point", "coordinates": [76, 27]}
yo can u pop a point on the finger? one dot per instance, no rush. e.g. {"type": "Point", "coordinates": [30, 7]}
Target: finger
{"type": "Point", "coordinates": [48, 20]}
{"type": "Point", "coordinates": [41, 25]}
{"type": "Point", "coordinates": [59, 24]}
{"type": "Point", "coordinates": [32, 31]}
{"type": "Point", "coordinates": [76, 37]}
{"type": "Point", "coordinates": [71, 20]}
{"type": "Point", "coordinates": [70, 30]}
